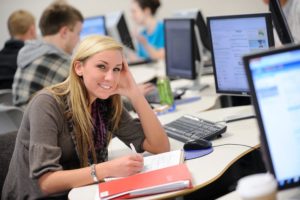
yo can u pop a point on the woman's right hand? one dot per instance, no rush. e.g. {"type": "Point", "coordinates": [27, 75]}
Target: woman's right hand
{"type": "Point", "coordinates": [126, 165]}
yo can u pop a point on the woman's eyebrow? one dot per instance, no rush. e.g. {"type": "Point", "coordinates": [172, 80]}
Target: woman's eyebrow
{"type": "Point", "coordinates": [104, 62]}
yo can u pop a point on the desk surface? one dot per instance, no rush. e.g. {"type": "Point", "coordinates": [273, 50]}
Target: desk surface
{"type": "Point", "coordinates": [208, 97]}
{"type": "Point", "coordinates": [204, 170]}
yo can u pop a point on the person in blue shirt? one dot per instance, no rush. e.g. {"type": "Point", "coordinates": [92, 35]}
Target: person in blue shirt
{"type": "Point", "coordinates": [151, 38]}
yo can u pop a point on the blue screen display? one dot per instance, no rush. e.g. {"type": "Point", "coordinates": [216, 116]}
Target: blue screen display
{"type": "Point", "coordinates": [93, 26]}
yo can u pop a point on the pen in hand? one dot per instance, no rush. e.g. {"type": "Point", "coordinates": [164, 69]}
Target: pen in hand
{"type": "Point", "coordinates": [142, 160]}
{"type": "Point", "coordinates": [133, 148]}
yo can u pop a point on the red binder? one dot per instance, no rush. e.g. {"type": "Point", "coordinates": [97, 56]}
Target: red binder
{"type": "Point", "coordinates": [158, 181]}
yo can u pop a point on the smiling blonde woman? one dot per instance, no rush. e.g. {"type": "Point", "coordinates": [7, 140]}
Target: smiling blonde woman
{"type": "Point", "coordinates": [62, 142]}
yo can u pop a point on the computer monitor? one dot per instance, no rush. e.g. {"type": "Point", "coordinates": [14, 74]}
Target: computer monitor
{"type": "Point", "coordinates": [280, 22]}
{"type": "Point", "coordinates": [200, 22]}
{"type": "Point", "coordinates": [118, 29]}
{"type": "Point", "coordinates": [182, 52]}
{"type": "Point", "coordinates": [231, 38]}
{"type": "Point", "coordinates": [93, 26]}
{"type": "Point", "coordinates": [273, 77]}
{"type": "Point", "coordinates": [204, 44]}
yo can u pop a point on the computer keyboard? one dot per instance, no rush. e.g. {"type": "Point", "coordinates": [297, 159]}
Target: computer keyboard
{"type": "Point", "coordinates": [190, 127]}
{"type": "Point", "coordinates": [153, 96]}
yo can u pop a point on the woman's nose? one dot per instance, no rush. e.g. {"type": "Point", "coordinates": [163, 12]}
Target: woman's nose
{"type": "Point", "coordinates": [109, 75]}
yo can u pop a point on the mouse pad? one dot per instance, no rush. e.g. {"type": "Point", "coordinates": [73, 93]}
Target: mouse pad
{"type": "Point", "coordinates": [191, 154]}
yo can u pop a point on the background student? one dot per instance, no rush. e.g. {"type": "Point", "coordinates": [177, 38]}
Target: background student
{"type": "Point", "coordinates": [62, 142]}
{"type": "Point", "coordinates": [46, 61]}
{"type": "Point", "coordinates": [151, 38]}
{"type": "Point", "coordinates": [21, 27]}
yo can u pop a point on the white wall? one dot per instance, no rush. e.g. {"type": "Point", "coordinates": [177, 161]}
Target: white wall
{"type": "Point", "coordinates": [96, 7]}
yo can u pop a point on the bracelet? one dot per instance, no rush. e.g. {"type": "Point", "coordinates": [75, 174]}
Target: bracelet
{"type": "Point", "coordinates": [93, 173]}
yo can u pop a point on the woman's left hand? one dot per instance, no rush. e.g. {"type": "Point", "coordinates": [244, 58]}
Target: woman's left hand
{"type": "Point", "coordinates": [127, 85]}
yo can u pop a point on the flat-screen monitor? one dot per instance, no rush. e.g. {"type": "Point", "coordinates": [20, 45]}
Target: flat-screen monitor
{"type": "Point", "coordinates": [280, 22]}
{"type": "Point", "coordinates": [231, 38]}
{"type": "Point", "coordinates": [93, 26]}
{"type": "Point", "coordinates": [200, 22]}
{"type": "Point", "coordinates": [182, 52]}
{"type": "Point", "coordinates": [274, 81]}
{"type": "Point", "coordinates": [181, 49]}
{"type": "Point", "coordinates": [118, 29]}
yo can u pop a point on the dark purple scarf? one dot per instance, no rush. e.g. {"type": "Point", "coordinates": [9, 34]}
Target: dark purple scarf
{"type": "Point", "coordinates": [100, 126]}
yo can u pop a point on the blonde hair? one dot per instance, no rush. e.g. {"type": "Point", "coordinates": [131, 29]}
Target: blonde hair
{"type": "Point", "coordinates": [78, 96]}
{"type": "Point", "coordinates": [19, 22]}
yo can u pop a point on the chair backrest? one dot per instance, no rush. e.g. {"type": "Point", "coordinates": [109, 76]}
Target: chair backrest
{"type": "Point", "coordinates": [10, 118]}
{"type": "Point", "coordinates": [10, 121]}
{"type": "Point", "coordinates": [6, 97]}
{"type": "Point", "coordinates": [7, 144]}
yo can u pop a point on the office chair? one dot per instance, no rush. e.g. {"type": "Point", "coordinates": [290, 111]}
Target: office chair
{"type": "Point", "coordinates": [6, 97]}
{"type": "Point", "coordinates": [7, 145]}
{"type": "Point", "coordinates": [10, 118]}
{"type": "Point", "coordinates": [10, 121]}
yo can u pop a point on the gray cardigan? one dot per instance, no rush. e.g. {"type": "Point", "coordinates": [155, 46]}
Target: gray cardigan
{"type": "Point", "coordinates": [45, 144]}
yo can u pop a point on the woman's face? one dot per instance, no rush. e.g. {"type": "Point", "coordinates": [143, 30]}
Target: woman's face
{"type": "Point", "coordinates": [101, 73]}
{"type": "Point", "coordinates": [137, 13]}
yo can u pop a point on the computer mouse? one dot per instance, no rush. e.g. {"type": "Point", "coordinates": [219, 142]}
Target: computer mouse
{"type": "Point", "coordinates": [178, 93]}
{"type": "Point", "coordinates": [197, 144]}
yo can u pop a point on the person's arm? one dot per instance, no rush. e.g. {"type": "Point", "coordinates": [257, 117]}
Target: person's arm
{"type": "Point", "coordinates": [46, 122]}
{"type": "Point", "coordinates": [154, 54]}
{"type": "Point", "coordinates": [156, 140]}
{"type": "Point", "coordinates": [63, 180]}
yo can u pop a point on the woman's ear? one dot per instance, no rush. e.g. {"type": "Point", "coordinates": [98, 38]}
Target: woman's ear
{"type": "Point", "coordinates": [78, 67]}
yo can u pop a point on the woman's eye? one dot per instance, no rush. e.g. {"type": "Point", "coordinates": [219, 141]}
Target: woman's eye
{"type": "Point", "coordinates": [101, 66]}
{"type": "Point", "coordinates": [117, 69]}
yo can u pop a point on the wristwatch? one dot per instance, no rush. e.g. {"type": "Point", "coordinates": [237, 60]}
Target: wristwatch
{"type": "Point", "coordinates": [93, 173]}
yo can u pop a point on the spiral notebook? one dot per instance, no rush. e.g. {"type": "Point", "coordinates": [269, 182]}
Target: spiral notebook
{"type": "Point", "coordinates": [158, 161]}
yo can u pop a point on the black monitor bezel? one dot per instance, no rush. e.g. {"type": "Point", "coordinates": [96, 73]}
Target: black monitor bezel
{"type": "Point", "coordinates": [129, 41]}
{"type": "Point", "coordinates": [203, 30]}
{"type": "Point", "coordinates": [95, 17]}
{"type": "Point", "coordinates": [263, 137]}
{"type": "Point", "coordinates": [200, 21]}
{"type": "Point", "coordinates": [192, 75]}
{"type": "Point", "coordinates": [267, 16]}
{"type": "Point", "coordinates": [280, 23]}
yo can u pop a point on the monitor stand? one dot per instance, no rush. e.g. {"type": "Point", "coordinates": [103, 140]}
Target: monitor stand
{"type": "Point", "coordinates": [196, 86]}
{"type": "Point", "coordinates": [240, 116]}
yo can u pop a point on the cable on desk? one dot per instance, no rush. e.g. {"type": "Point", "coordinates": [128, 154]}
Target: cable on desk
{"type": "Point", "coordinates": [233, 144]}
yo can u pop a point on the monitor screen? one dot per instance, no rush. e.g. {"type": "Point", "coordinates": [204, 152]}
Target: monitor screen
{"type": "Point", "coordinates": [231, 38]}
{"type": "Point", "coordinates": [200, 22]}
{"type": "Point", "coordinates": [274, 81]}
{"type": "Point", "coordinates": [93, 26]}
{"type": "Point", "coordinates": [118, 29]}
{"type": "Point", "coordinates": [180, 47]}
{"type": "Point", "coordinates": [280, 22]}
